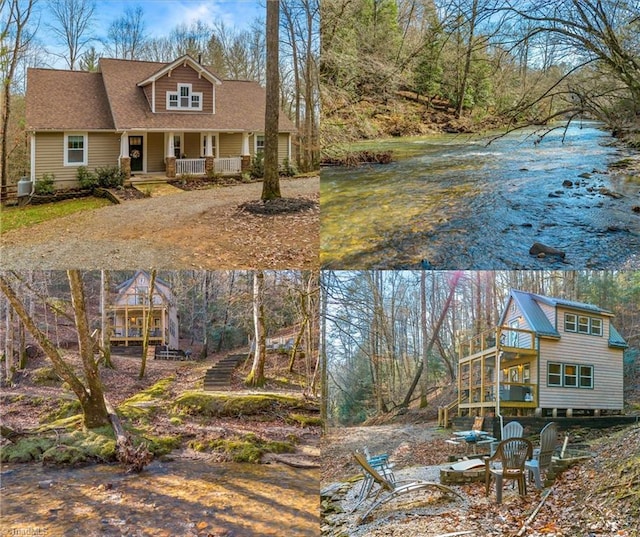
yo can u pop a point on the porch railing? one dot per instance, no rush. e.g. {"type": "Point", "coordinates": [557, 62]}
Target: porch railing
{"type": "Point", "coordinates": [228, 165]}
{"type": "Point", "coordinates": [191, 166]}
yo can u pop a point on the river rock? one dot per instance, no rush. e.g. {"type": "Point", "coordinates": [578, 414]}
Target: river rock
{"type": "Point", "coordinates": [636, 208]}
{"type": "Point", "coordinates": [556, 194]}
{"type": "Point", "coordinates": [45, 484]}
{"type": "Point", "coordinates": [611, 193]}
{"type": "Point", "coordinates": [585, 175]}
{"type": "Point", "coordinates": [567, 184]}
{"type": "Point", "coordinates": [524, 169]}
{"type": "Point", "coordinates": [539, 248]}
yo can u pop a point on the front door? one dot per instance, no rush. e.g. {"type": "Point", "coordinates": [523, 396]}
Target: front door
{"type": "Point", "coordinates": [135, 152]}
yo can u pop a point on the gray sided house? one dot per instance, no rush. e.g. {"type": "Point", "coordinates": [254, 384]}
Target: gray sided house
{"type": "Point", "coordinates": [131, 308]}
{"type": "Point", "coordinates": [146, 117]}
{"type": "Point", "coordinates": [548, 356]}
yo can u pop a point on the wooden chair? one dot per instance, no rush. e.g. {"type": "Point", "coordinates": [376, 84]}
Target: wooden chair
{"type": "Point", "coordinates": [508, 463]}
{"type": "Point", "coordinates": [392, 490]}
{"type": "Point", "coordinates": [542, 457]}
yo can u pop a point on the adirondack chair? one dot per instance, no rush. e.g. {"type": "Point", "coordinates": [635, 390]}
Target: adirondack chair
{"type": "Point", "coordinates": [542, 457]}
{"type": "Point", "coordinates": [508, 463]}
{"type": "Point", "coordinates": [513, 429]}
{"type": "Point", "coordinates": [388, 491]}
{"type": "Point", "coordinates": [381, 464]}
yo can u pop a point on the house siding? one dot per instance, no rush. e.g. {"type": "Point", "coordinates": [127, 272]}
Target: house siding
{"type": "Point", "coordinates": [230, 145]}
{"type": "Point", "coordinates": [183, 75]}
{"type": "Point", "coordinates": [104, 150]}
{"type": "Point", "coordinates": [582, 349]}
{"type": "Point", "coordinates": [192, 145]}
{"type": "Point", "coordinates": [523, 338]}
{"type": "Point", "coordinates": [155, 152]}
{"type": "Point", "coordinates": [550, 313]}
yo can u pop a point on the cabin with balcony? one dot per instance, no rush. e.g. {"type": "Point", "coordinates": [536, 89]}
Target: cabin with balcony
{"type": "Point", "coordinates": [131, 309]}
{"type": "Point", "coordinates": [161, 119]}
{"type": "Point", "coordinates": [547, 357]}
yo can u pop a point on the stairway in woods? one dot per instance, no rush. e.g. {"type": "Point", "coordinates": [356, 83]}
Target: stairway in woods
{"type": "Point", "coordinates": [218, 376]}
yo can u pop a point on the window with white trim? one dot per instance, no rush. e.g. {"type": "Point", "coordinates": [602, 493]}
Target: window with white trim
{"type": "Point", "coordinates": [259, 143]}
{"type": "Point", "coordinates": [75, 149]}
{"type": "Point", "coordinates": [583, 324]}
{"type": "Point", "coordinates": [569, 375]}
{"type": "Point", "coordinates": [184, 99]}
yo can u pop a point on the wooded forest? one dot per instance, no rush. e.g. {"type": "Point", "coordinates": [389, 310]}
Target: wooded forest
{"type": "Point", "coordinates": [230, 52]}
{"type": "Point", "coordinates": [473, 64]}
{"type": "Point", "coordinates": [386, 330]}
{"type": "Point", "coordinates": [215, 309]}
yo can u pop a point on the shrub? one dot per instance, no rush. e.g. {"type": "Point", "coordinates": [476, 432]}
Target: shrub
{"type": "Point", "coordinates": [110, 177]}
{"type": "Point", "coordinates": [86, 178]}
{"type": "Point", "coordinates": [287, 169]}
{"type": "Point", "coordinates": [257, 166]}
{"type": "Point", "coordinates": [44, 185]}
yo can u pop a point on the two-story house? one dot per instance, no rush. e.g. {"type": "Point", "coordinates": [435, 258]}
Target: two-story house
{"type": "Point", "coordinates": [131, 308]}
{"type": "Point", "coordinates": [146, 117]}
{"type": "Point", "coordinates": [548, 356]}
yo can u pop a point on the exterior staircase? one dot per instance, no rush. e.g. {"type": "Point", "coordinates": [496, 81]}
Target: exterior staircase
{"type": "Point", "coordinates": [218, 376]}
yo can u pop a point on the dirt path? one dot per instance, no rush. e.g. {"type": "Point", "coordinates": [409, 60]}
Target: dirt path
{"type": "Point", "coordinates": [197, 229]}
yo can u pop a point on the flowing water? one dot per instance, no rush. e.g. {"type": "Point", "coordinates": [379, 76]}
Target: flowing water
{"type": "Point", "coordinates": [459, 202]}
{"type": "Point", "coordinates": [168, 499]}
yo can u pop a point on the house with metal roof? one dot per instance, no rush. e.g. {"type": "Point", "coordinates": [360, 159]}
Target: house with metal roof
{"type": "Point", "coordinates": [131, 308]}
{"type": "Point", "coordinates": [166, 119]}
{"type": "Point", "coordinates": [547, 357]}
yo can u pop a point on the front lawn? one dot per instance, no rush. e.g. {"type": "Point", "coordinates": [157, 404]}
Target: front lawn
{"type": "Point", "coordinates": [17, 217]}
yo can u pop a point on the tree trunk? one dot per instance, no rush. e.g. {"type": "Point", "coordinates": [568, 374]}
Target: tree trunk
{"type": "Point", "coordinates": [271, 183]}
{"type": "Point", "coordinates": [147, 324]}
{"type": "Point", "coordinates": [105, 324]}
{"type": "Point", "coordinates": [225, 322]}
{"type": "Point", "coordinates": [95, 411]}
{"type": "Point", "coordinates": [256, 375]}
{"type": "Point", "coordinates": [467, 62]}
{"type": "Point", "coordinates": [454, 282]}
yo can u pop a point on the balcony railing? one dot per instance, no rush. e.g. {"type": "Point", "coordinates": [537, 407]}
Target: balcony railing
{"type": "Point", "coordinates": [228, 165]}
{"type": "Point", "coordinates": [190, 166]}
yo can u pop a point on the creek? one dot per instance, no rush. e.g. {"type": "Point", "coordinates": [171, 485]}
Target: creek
{"type": "Point", "coordinates": [180, 498]}
{"type": "Point", "coordinates": [460, 202]}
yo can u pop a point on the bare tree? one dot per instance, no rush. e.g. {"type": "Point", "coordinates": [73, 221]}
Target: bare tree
{"type": "Point", "coordinates": [256, 375]}
{"type": "Point", "coordinates": [14, 40]}
{"type": "Point", "coordinates": [147, 323]}
{"type": "Point", "coordinates": [71, 24]}
{"type": "Point", "coordinates": [271, 183]}
{"type": "Point", "coordinates": [126, 36]}
{"type": "Point", "coordinates": [90, 393]}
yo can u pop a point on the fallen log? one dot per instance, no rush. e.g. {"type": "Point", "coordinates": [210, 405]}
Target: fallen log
{"type": "Point", "coordinates": [133, 458]}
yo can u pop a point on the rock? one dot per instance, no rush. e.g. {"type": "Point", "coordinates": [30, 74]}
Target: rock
{"type": "Point", "coordinates": [45, 484]}
{"type": "Point", "coordinates": [555, 194]}
{"type": "Point", "coordinates": [585, 175]}
{"type": "Point", "coordinates": [526, 224]}
{"type": "Point", "coordinates": [542, 255]}
{"type": "Point", "coordinates": [567, 184]}
{"type": "Point", "coordinates": [636, 208]}
{"type": "Point", "coordinates": [611, 193]}
{"type": "Point", "coordinates": [539, 248]}
{"type": "Point", "coordinates": [615, 229]}
{"type": "Point", "coordinates": [424, 263]}
{"type": "Point", "coordinates": [524, 169]}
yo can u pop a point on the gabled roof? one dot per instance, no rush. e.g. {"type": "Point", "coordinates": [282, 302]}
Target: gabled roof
{"type": "Point", "coordinates": [59, 100]}
{"type": "Point", "coordinates": [125, 285]}
{"type": "Point", "coordinates": [528, 304]}
{"type": "Point", "coordinates": [66, 100]}
{"type": "Point", "coordinates": [182, 60]}
{"type": "Point", "coordinates": [533, 313]}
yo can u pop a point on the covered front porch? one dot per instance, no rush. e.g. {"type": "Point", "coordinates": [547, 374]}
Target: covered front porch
{"type": "Point", "coordinates": [174, 154]}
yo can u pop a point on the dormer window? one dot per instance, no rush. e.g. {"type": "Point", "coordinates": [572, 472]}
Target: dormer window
{"type": "Point", "coordinates": [184, 98]}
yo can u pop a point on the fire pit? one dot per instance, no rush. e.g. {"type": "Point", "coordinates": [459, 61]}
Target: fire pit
{"type": "Point", "coordinates": [470, 471]}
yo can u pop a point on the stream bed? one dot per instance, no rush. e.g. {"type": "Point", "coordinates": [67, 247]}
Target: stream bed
{"type": "Point", "coordinates": [458, 201]}
{"type": "Point", "coordinates": [180, 498]}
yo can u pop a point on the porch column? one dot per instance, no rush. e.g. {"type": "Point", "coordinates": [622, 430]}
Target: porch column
{"type": "Point", "coordinates": [33, 158]}
{"type": "Point", "coordinates": [125, 159]}
{"type": "Point", "coordinates": [246, 154]}
{"type": "Point", "coordinates": [208, 155]}
{"type": "Point", "coordinates": [170, 159]}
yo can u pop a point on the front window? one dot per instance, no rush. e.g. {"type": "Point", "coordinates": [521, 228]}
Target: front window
{"type": "Point", "coordinates": [583, 324]}
{"type": "Point", "coordinates": [596, 327]}
{"type": "Point", "coordinates": [75, 150]}
{"type": "Point", "coordinates": [554, 375]}
{"type": "Point", "coordinates": [586, 376]}
{"type": "Point", "coordinates": [259, 144]}
{"type": "Point", "coordinates": [570, 375]}
{"type": "Point", "coordinates": [184, 99]}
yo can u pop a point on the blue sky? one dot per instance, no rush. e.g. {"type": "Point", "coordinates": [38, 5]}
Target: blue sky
{"type": "Point", "coordinates": [161, 16]}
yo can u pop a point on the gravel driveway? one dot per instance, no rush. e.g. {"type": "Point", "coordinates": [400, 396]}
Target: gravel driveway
{"type": "Point", "coordinates": [197, 229]}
